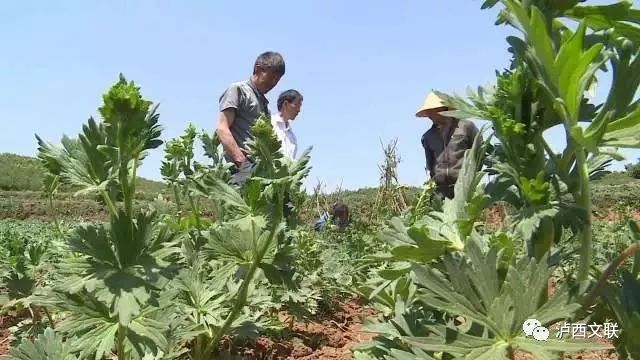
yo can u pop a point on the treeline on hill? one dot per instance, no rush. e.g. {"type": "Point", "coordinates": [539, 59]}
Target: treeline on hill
{"type": "Point", "coordinates": [21, 196]}
{"type": "Point", "coordinates": [25, 173]}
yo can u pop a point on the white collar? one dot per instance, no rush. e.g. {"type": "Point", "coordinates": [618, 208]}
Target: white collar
{"type": "Point", "coordinates": [279, 119]}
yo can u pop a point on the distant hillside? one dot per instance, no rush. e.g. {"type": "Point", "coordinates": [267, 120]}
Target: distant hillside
{"type": "Point", "coordinates": [21, 197]}
{"type": "Point", "coordinates": [616, 178]}
{"type": "Point", "coordinates": [24, 173]}
{"type": "Point", "coordinates": [20, 173]}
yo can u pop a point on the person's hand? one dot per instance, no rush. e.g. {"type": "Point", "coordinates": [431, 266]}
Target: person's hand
{"type": "Point", "coordinates": [239, 159]}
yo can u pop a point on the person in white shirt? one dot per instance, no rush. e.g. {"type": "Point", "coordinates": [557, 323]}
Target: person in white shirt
{"type": "Point", "coordinates": [289, 104]}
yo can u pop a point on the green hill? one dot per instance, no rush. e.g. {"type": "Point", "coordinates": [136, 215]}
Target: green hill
{"type": "Point", "coordinates": [24, 173]}
{"type": "Point", "coordinates": [21, 196]}
{"type": "Point", "coordinates": [20, 173]}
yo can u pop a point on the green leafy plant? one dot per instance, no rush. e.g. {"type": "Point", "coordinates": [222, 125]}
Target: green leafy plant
{"type": "Point", "coordinates": [633, 170]}
{"type": "Point", "coordinates": [620, 297]}
{"type": "Point", "coordinates": [562, 65]}
{"type": "Point", "coordinates": [493, 309]}
{"type": "Point", "coordinates": [415, 240]}
{"type": "Point", "coordinates": [47, 346]}
{"type": "Point", "coordinates": [119, 268]}
{"type": "Point", "coordinates": [25, 253]}
{"type": "Point", "coordinates": [552, 68]}
{"type": "Point", "coordinates": [242, 248]}
{"type": "Point", "coordinates": [625, 306]}
{"type": "Point", "coordinates": [427, 238]}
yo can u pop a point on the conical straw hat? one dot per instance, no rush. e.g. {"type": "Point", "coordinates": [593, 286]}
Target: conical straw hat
{"type": "Point", "coordinates": [432, 104]}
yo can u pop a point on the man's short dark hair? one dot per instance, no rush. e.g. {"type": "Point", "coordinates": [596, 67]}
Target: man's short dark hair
{"type": "Point", "coordinates": [289, 96]}
{"type": "Point", "coordinates": [270, 60]}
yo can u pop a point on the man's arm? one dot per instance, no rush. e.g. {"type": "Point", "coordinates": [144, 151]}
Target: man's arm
{"type": "Point", "coordinates": [430, 160]}
{"type": "Point", "coordinates": [428, 157]}
{"type": "Point", "coordinates": [473, 132]}
{"type": "Point", "coordinates": [229, 144]}
{"type": "Point", "coordinates": [229, 103]}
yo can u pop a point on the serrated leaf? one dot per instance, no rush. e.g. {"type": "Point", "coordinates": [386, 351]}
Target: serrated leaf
{"type": "Point", "coordinates": [47, 346]}
{"type": "Point", "coordinates": [624, 132]}
{"type": "Point", "coordinates": [211, 186]}
{"type": "Point", "coordinates": [546, 349]}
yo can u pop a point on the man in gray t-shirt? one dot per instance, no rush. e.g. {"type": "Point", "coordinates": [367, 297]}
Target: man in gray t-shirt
{"type": "Point", "coordinates": [240, 105]}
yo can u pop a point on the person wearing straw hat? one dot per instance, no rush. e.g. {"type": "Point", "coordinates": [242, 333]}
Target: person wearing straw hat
{"type": "Point", "coordinates": [444, 143]}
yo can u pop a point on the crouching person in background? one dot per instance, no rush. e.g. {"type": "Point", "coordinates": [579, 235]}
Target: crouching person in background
{"type": "Point", "coordinates": [339, 215]}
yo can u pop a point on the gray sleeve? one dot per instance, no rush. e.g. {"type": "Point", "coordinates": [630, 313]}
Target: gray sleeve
{"type": "Point", "coordinates": [430, 162]}
{"type": "Point", "coordinates": [428, 156]}
{"type": "Point", "coordinates": [231, 98]}
{"type": "Point", "coordinates": [472, 131]}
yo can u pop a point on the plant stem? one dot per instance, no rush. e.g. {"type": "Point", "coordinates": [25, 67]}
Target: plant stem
{"type": "Point", "coordinates": [132, 186]}
{"type": "Point", "coordinates": [197, 351]}
{"type": "Point", "coordinates": [196, 213]}
{"type": "Point", "coordinates": [110, 205]}
{"type": "Point", "coordinates": [585, 202]}
{"type": "Point", "coordinates": [632, 249]}
{"type": "Point", "coordinates": [123, 173]}
{"type": "Point", "coordinates": [636, 263]}
{"type": "Point", "coordinates": [176, 194]}
{"type": "Point", "coordinates": [122, 334]}
{"type": "Point", "coordinates": [56, 221]}
{"type": "Point", "coordinates": [552, 157]}
{"type": "Point", "coordinates": [543, 240]}
{"type": "Point", "coordinates": [241, 298]}
{"type": "Point", "coordinates": [46, 312]}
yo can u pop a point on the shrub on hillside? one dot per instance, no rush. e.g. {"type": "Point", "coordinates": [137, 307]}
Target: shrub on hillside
{"type": "Point", "coordinates": [24, 173]}
{"type": "Point", "coordinates": [20, 173]}
{"type": "Point", "coordinates": [633, 170]}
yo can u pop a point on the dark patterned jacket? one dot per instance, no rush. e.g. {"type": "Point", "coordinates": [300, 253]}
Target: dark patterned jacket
{"type": "Point", "coordinates": [445, 153]}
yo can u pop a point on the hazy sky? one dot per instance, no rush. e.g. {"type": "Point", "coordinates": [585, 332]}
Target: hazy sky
{"type": "Point", "coordinates": [363, 68]}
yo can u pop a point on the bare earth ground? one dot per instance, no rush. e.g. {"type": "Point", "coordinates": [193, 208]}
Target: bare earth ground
{"type": "Point", "coordinates": [590, 355]}
{"type": "Point", "coordinates": [495, 216]}
{"type": "Point", "coordinates": [4, 341]}
{"type": "Point", "coordinates": [5, 323]}
{"type": "Point", "coordinates": [328, 339]}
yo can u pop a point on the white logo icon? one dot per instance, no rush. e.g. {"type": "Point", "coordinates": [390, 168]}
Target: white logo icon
{"type": "Point", "coordinates": [533, 327]}
{"type": "Point", "coordinates": [530, 325]}
{"type": "Point", "coordinates": [541, 333]}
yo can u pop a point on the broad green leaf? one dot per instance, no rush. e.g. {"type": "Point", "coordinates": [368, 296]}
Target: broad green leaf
{"type": "Point", "coordinates": [403, 355]}
{"type": "Point", "coordinates": [546, 349]}
{"type": "Point", "coordinates": [396, 271]}
{"type": "Point", "coordinates": [539, 38]}
{"type": "Point", "coordinates": [454, 342]}
{"type": "Point", "coordinates": [581, 77]}
{"type": "Point", "coordinates": [624, 132]}
{"type": "Point", "coordinates": [235, 241]}
{"type": "Point", "coordinates": [416, 254]}
{"type": "Point", "coordinates": [441, 295]}
{"type": "Point", "coordinates": [625, 306]}
{"type": "Point", "coordinates": [619, 16]}
{"type": "Point", "coordinates": [217, 189]}
{"type": "Point", "coordinates": [592, 136]}
{"type": "Point", "coordinates": [472, 289]}
{"type": "Point", "coordinates": [47, 346]}
{"type": "Point", "coordinates": [380, 328]}
{"type": "Point", "coordinates": [529, 219]}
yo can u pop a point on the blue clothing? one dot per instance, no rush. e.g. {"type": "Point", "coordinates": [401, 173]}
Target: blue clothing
{"type": "Point", "coordinates": [320, 223]}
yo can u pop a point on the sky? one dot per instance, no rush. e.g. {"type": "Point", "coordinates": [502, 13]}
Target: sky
{"type": "Point", "coordinates": [363, 69]}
